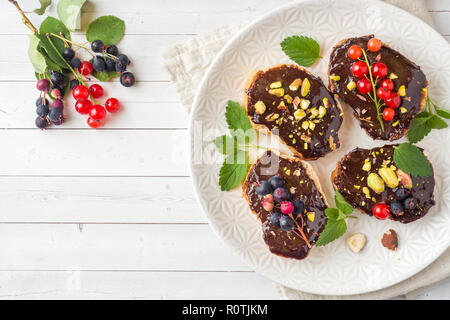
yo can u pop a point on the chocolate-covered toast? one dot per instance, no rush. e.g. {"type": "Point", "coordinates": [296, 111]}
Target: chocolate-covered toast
{"type": "Point", "coordinates": [285, 194]}
{"type": "Point", "coordinates": [368, 177]}
{"type": "Point", "coordinates": [403, 78]}
{"type": "Point", "coordinates": [291, 103]}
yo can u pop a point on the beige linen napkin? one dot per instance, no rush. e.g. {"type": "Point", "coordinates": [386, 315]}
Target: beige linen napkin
{"type": "Point", "coordinates": [188, 62]}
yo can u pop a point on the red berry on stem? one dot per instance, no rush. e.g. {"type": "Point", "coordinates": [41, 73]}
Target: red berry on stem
{"type": "Point", "coordinates": [379, 70]}
{"type": "Point", "coordinates": [364, 86]}
{"type": "Point", "coordinates": [383, 93]}
{"type": "Point", "coordinates": [387, 84]}
{"type": "Point", "coordinates": [43, 85]}
{"type": "Point", "coordinates": [394, 100]}
{"type": "Point", "coordinates": [93, 123]}
{"type": "Point", "coordinates": [86, 68]}
{"type": "Point", "coordinates": [359, 69]}
{"type": "Point", "coordinates": [381, 211]}
{"type": "Point", "coordinates": [287, 207]}
{"type": "Point", "coordinates": [112, 105]}
{"type": "Point", "coordinates": [97, 112]}
{"type": "Point", "coordinates": [96, 90]}
{"type": "Point", "coordinates": [354, 52]}
{"type": "Point", "coordinates": [374, 45]}
{"type": "Point", "coordinates": [80, 92]}
{"type": "Point", "coordinates": [388, 114]}
{"type": "Point", "coordinates": [83, 106]}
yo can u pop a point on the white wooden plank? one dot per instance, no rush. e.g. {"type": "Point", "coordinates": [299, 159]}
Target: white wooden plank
{"type": "Point", "coordinates": [73, 284]}
{"type": "Point", "coordinates": [442, 22]}
{"type": "Point", "coordinates": [94, 152]}
{"type": "Point", "coordinates": [179, 247]}
{"type": "Point", "coordinates": [438, 5]}
{"type": "Point", "coordinates": [116, 200]}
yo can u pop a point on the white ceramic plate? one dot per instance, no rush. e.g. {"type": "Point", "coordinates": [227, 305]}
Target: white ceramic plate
{"type": "Point", "coordinates": [332, 269]}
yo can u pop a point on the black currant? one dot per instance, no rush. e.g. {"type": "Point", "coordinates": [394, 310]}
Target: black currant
{"type": "Point", "coordinates": [68, 54]}
{"type": "Point", "coordinates": [42, 110]}
{"type": "Point", "coordinates": [97, 46]}
{"type": "Point", "coordinates": [127, 79]}
{"type": "Point", "coordinates": [43, 85]}
{"type": "Point", "coordinates": [57, 104]}
{"type": "Point", "coordinates": [123, 59]}
{"type": "Point", "coordinates": [75, 63]}
{"type": "Point", "coordinates": [41, 122]}
{"type": "Point", "coordinates": [55, 115]}
{"type": "Point", "coordinates": [120, 67]}
{"type": "Point", "coordinates": [113, 50]}
{"type": "Point", "coordinates": [110, 65]}
{"type": "Point", "coordinates": [74, 83]}
{"type": "Point", "coordinates": [41, 101]}
{"type": "Point", "coordinates": [57, 78]}
{"type": "Point", "coordinates": [99, 64]}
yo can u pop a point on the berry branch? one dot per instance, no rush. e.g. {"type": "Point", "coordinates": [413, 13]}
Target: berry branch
{"type": "Point", "coordinates": [25, 19]}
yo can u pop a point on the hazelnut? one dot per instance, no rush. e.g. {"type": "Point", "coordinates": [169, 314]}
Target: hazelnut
{"type": "Point", "coordinates": [405, 179]}
{"type": "Point", "coordinates": [389, 177]}
{"type": "Point", "coordinates": [375, 183]}
{"type": "Point", "coordinates": [390, 240]}
{"type": "Point", "coordinates": [260, 107]}
{"type": "Point", "coordinates": [356, 242]}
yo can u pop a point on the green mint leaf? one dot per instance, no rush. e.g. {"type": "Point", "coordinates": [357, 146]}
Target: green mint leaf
{"type": "Point", "coordinates": [333, 230]}
{"type": "Point", "coordinates": [342, 205]}
{"type": "Point", "coordinates": [302, 50]}
{"type": "Point", "coordinates": [419, 129]}
{"type": "Point", "coordinates": [332, 213]}
{"type": "Point", "coordinates": [437, 123]}
{"type": "Point", "coordinates": [238, 121]}
{"type": "Point", "coordinates": [442, 112]}
{"type": "Point", "coordinates": [411, 160]}
{"type": "Point", "coordinates": [36, 57]}
{"type": "Point", "coordinates": [69, 11]}
{"type": "Point", "coordinates": [109, 29]}
{"type": "Point", "coordinates": [44, 5]}
{"type": "Point", "coordinates": [53, 25]}
{"type": "Point", "coordinates": [226, 144]}
{"type": "Point", "coordinates": [233, 171]}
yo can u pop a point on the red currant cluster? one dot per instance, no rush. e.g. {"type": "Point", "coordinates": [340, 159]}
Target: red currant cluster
{"type": "Point", "coordinates": [369, 80]}
{"type": "Point", "coordinates": [96, 112]}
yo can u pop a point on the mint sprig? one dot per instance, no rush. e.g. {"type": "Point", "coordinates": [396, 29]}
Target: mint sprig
{"type": "Point", "coordinates": [426, 121]}
{"type": "Point", "coordinates": [411, 160]}
{"type": "Point", "coordinates": [336, 225]}
{"type": "Point", "coordinates": [302, 50]}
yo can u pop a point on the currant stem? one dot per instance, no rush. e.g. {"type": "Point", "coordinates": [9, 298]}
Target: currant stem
{"type": "Point", "coordinates": [25, 19]}
{"type": "Point", "coordinates": [61, 37]}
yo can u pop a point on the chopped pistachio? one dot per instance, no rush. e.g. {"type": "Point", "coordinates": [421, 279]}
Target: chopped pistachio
{"type": "Point", "coordinates": [275, 85]}
{"type": "Point", "coordinates": [279, 92]}
{"type": "Point", "coordinates": [260, 107]}
{"type": "Point", "coordinates": [304, 104]}
{"type": "Point", "coordinates": [282, 106]}
{"type": "Point", "coordinates": [335, 78]}
{"type": "Point", "coordinates": [305, 146]}
{"type": "Point", "coordinates": [305, 125]}
{"type": "Point", "coordinates": [306, 85]}
{"type": "Point", "coordinates": [322, 111]}
{"type": "Point", "coordinates": [296, 102]}
{"type": "Point", "coordinates": [326, 102]}
{"type": "Point", "coordinates": [351, 85]}
{"type": "Point", "coordinates": [357, 187]}
{"type": "Point", "coordinates": [403, 110]}
{"type": "Point", "coordinates": [288, 98]}
{"type": "Point", "coordinates": [295, 84]}
{"type": "Point", "coordinates": [425, 90]}
{"type": "Point", "coordinates": [299, 114]}
{"type": "Point", "coordinates": [367, 166]}
{"type": "Point", "coordinates": [314, 112]}
{"type": "Point", "coordinates": [312, 125]}
{"type": "Point", "coordinates": [396, 123]}
{"type": "Point", "coordinates": [272, 117]}
{"type": "Point", "coordinates": [366, 191]}
{"type": "Point", "coordinates": [393, 76]}
{"type": "Point", "coordinates": [401, 91]}
{"type": "Point", "coordinates": [311, 216]}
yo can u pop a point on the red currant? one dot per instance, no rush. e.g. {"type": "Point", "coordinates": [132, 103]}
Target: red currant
{"type": "Point", "coordinates": [83, 106]}
{"type": "Point", "coordinates": [96, 90]}
{"type": "Point", "coordinates": [86, 68]}
{"type": "Point", "coordinates": [354, 52]}
{"type": "Point", "coordinates": [80, 92]}
{"type": "Point", "coordinates": [379, 70]}
{"type": "Point", "coordinates": [94, 123]}
{"type": "Point", "coordinates": [360, 69]}
{"type": "Point", "coordinates": [383, 93]}
{"type": "Point", "coordinates": [97, 112]}
{"type": "Point", "coordinates": [388, 114]}
{"type": "Point", "coordinates": [387, 84]}
{"type": "Point", "coordinates": [364, 86]}
{"type": "Point", "coordinates": [112, 105]}
{"type": "Point", "coordinates": [374, 45]}
{"type": "Point", "coordinates": [381, 211]}
{"type": "Point", "coordinates": [394, 101]}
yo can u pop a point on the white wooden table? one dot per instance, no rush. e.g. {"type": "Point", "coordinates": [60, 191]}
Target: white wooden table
{"type": "Point", "coordinates": [107, 213]}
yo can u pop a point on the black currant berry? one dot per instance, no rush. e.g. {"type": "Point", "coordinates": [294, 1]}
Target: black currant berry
{"type": "Point", "coordinates": [68, 54]}
{"type": "Point", "coordinates": [57, 78]}
{"type": "Point", "coordinates": [127, 79]}
{"type": "Point", "coordinates": [123, 59]}
{"type": "Point", "coordinates": [55, 115]}
{"type": "Point", "coordinates": [99, 64]}
{"type": "Point", "coordinates": [110, 65]}
{"type": "Point", "coordinates": [113, 50]}
{"type": "Point", "coordinates": [43, 85]}
{"type": "Point", "coordinates": [41, 123]}
{"type": "Point", "coordinates": [97, 46]}
{"type": "Point", "coordinates": [42, 110]}
{"type": "Point", "coordinates": [41, 101]}
{"type": "Point", "coordinates": [74, 83]}
{"type": "Point", "coordinates": [120, 67]}
{"type": "Point", "coordinates": [75, 63]}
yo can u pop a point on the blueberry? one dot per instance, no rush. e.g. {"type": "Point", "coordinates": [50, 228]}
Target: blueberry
{"type": "Point", "coordinates": [274, 218]}
{"type": "Point", "coordinates": [281, 194]}
{"type": "Point", "coordinates": [99, 64]}
{"type": "Point", "coordinates": [110, 65]}
{"type": "Point", "coordinates": [264, 188]}
{"type": "Point", "coordinates": [74, 83]}
{"type": "Point", "coordinates": [286, 223]}
{"type": "Point", "coordinates": [97, 46]}
{"type": "Point", "coordinates": [123, 59]}
{"type": "Point", "coordinates": [401, 194]}
{"type": "Point", "coordinates": [75, 63]}
{"type": "Point", "coordinates": [276, 182]}
{"type": "Point", "coordinates": [40, 101]}
{"type": "Point", "coordinates": [396, 208]}
{"type": "Point", "coordinates": [59, 122]}
{"type": "Point", "coordinates": [113, 50]}
{"type": "Point", "coordinates": [127, 79]}
{"type": "Point", "coordinates": [68, 54]}
{"type": "Point", "coordinates": [57, 78]}
{"type": "Point", "coordinates": [55, 115]}
{"type": "Point", "coordinates": [41, 122]}
{"type": "Point", "coordinates": [120, 67]}
{"type": "Point", "coordinates": [42, 110]}
{"type": "Point", "coordinates": [299, 206]}
{"type": "Point", "coordinates": [410, 203]}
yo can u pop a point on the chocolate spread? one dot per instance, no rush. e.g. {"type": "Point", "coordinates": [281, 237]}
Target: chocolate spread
{"type": "Point", "coordinates": [309, 143]}
{"type": "Point", "coordinates": [350, 179]}
{"type": "Point", "coordinates": [408, 73]}
{"type": "Point", "coordinates": [302, 187]}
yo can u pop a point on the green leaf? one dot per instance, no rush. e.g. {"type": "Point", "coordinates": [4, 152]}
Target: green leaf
{"type": "Point", "coordinates": [109, 29]}
{"type": "Point", "coordinates": [333, 230]}
{"type": "Point", "coordinates": [238, 121]}
{"type": "Point", "coordinates": [233, 171]}
{"type": "Point", "coordinates": [302, 50]}
{"type": "Point", "coordinates": [226, 144]}
{"type": "Point", "coordinates": [342, 205]}
{"type": "Point", "coordinates": [442, 112]}
{"type": "Point", "coordinates": [411, 160]}
{"type": "Point", "coordinates": [332, 213]}
{"type": "Point", "coordinates": [36, 57]}
{"type": "Point", "coordinates": [44, 4]}
{"type": "Point", "coordinates": [437, 123]}
{"type": "Point", "coordinates": [68, 11]}
{"type": "Point", "coordinates": [53, 25]}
